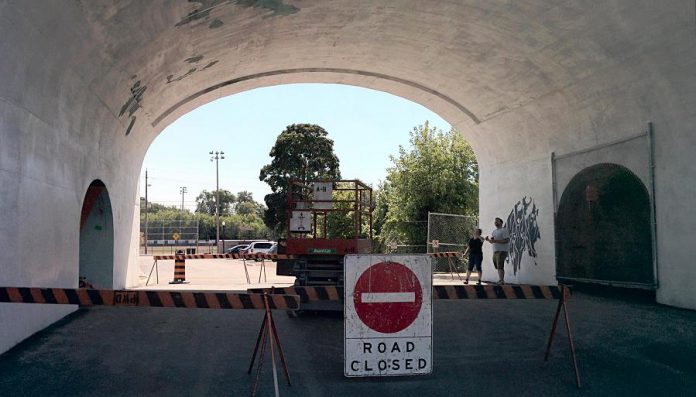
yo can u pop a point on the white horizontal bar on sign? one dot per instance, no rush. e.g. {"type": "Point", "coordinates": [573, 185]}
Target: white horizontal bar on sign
{"type": "Point", "coordinates": [388, 297]}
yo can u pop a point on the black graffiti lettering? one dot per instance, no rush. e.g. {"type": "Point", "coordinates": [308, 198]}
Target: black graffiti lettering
{"type": "Point", "coordinates": [354, 366]}
{"type": "Point", "coordinates": [408, 362]}
{"type": "Point", "coordinates": [382, 365]}
{"type": "Point", "coordinates": [410, 346]}
{"type": "Point", "coordinates": [367, 347]}
{"type": "Point", "coordinates": [524, 232]}
{"type": "Point", "coordinates": [381, 347]}
{"type": "Point", "coordinates": [396, 348]}
{"type": "Point", "coordinates": [422, 363]}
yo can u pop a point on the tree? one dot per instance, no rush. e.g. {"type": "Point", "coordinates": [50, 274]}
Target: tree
{"type": "Point", "coordinates": [303, 152]}
{"type": "Point", "coordinates": [247, 205]}
{"type": "Point", "coordinates": [438, 173]}
{"type": "Point", "coordinates": [245, 196]}
{"type": "Point", "coordinates": [246, 208]}
{"type": "Point", "coordinates": [205, 202]}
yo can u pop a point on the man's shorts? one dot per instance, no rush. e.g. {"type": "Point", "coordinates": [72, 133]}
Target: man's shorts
{"type": "Point", "coordinates": [499, 259]}
{"type": "Point", "coordinates": [475, 261]}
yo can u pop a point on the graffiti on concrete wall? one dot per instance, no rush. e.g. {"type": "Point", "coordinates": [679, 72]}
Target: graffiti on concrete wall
{"type": "Point", "coordinates": [134, 103]}
{"type": "Point", "coordinates": [524, 232]}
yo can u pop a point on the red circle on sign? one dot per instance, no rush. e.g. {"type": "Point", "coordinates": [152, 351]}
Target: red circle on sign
{"type": "Point", "coordinates": [388, 297]}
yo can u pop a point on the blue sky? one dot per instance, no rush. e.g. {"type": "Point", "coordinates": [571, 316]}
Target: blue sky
{"type": "Point", "coordinates": [366, 126]}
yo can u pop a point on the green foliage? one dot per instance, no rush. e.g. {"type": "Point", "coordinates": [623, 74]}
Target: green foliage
{"type": "Point", "coordinates": [245, 196]}
{"type": "Point", "coordinates": [246, 223]}
{"type": "Point", "coordinates": [245, 208]}
{"type": "Point", "coordinates": [237, 226]}
{"type": "Point", "coordinates": [302, 152]}
{"type": "Point", "coordinates": [437, 173]}
{"type": "Point", "coordinates": [246, 205]}
{"type": "Point", "coordinates": [339, 224]}
{"type": "Point", "coordinates": [205, 202]}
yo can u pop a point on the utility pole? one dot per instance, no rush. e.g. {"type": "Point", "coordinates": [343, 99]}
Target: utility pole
{"type": "Point", "coordinates": [146, 210]}
{"type": "Point", "coordinates": [217, 156]}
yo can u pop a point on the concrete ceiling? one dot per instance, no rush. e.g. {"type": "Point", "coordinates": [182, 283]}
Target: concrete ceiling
{"type": "Point", "coordinates": [469, 61]}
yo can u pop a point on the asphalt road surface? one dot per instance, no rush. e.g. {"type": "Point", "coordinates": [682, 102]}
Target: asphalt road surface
{"type": "Point", "coordinates": [480, 348]}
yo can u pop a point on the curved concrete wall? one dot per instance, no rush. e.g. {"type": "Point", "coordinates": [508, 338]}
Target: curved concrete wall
{"type": "Point", "coordinates": [86, 86]}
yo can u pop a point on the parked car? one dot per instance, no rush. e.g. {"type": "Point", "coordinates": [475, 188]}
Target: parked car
{"type": "Point", "coordinates": [260, 247]}
{"type": "Point", "coordinates": [237, 249]}
{"type": "Point", "coordinates": [274, 250]}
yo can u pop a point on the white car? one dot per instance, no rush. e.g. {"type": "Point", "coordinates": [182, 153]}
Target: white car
{"type": "Point", "coordinates": [260, 247]}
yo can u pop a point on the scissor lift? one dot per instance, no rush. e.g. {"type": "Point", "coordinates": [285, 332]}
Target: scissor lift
{"type": "Point", "coordinates": [327, 219]}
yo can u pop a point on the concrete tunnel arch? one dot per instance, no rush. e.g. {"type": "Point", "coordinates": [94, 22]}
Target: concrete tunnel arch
{"type": "Point", "coordinates": [538, 77]}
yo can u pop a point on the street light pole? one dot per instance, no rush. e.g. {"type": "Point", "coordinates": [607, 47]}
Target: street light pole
{"type": "Point", "coordinates": [217, 156]}
{"type": "Point", "coordinates": [146, 210]}
{"type": "Point", "coordinates": [183, 191]}
{"type": "Point", "coordinates": [223, 236]}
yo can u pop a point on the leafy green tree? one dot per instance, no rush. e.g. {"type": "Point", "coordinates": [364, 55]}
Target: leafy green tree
{"type": "Point", "coordinates": [302, 152]}
{"type": "Point", "coordinates": [246, 208]}
{"type": "Point", "coordinates": [247, 205]}
{"type": "Point", "coordinates": [205, 202]}
{"type": "Point", "coordinates": [245, 196]}
{"type": "Point", "coordinates": [437, 173]}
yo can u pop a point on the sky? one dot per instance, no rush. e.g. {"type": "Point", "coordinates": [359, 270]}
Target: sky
{"type": "Point", "coordinates": [367, 126]}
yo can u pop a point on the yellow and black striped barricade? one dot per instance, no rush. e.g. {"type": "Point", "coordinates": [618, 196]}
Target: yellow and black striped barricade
{"type": "Point", "coordinates": [223, 256]}
{"type": "Point", "coordinates": [509, 291]}
{"type": "Point", "coordinates": [440, 292]}
{"type": "Point", "coordinates": [181, 299]}
{"type": "Point", "coordinates": [306, 294]}
{"type": "Point", "coordinates": [448, 254]}
{"type": "Point", "coordinates": [450, 292]}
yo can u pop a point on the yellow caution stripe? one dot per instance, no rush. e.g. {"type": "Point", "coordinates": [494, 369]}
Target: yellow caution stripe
{"type": "Point", "coordinates": [183, 299]}
{"type": "Point", "coordinates": [450, 254]}
{"type": "Point", "coordinates": [223, 256]}
{"type": "Point", "coordinates": [499, 291]}
{"type": "Point", "coordinates": [440, 292]}
{"type": "Point", "coordinates": [306, 294]}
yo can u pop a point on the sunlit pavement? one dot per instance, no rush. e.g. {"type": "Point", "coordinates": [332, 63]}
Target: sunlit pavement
{"type": "Point", "coordinates": [229, 275]}
{"type": "Point", "coordinates": [212, 274]}
{"type": "Point", "coordinates": [481, 347]}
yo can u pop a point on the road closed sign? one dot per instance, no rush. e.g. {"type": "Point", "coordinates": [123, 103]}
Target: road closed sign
{"type": "Point", "coordinates": [388, 315]}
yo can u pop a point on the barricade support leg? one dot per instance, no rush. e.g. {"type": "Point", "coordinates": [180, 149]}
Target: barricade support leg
{"type": "Point", "coordinates": [565, 292]}
{"type": "Point", "coordinates": [156, 268]}
{"type": "Point", "coordinates": [268, 329]}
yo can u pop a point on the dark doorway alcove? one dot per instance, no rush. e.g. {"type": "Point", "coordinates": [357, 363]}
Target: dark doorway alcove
{"type": "Point", "coordinates": [603, 228]}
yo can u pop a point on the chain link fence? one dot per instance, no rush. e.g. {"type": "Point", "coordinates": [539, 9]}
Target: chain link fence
{"type": "Point", "coordinates": [449, 232]}
{"type": "Point", "coordinates": [170, 235]}
{"type": "Point", "coordinates": [409, 240]}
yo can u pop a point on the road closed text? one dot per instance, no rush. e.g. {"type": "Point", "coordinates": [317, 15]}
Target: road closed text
{"type": "Point", "coordinates": [388, 356]}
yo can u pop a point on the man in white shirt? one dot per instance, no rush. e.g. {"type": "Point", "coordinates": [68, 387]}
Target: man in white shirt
{"type": "Point", "coordinates": [500, 238]}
